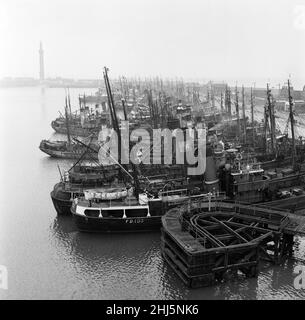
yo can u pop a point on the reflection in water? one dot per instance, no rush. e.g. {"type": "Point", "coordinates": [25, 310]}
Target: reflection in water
{"type": "Point", "coordinates": [124, 265]}
{"type": "Point", "coordinates": [43, 103]}
{"type": "Point", "coordinates": [130, 266]}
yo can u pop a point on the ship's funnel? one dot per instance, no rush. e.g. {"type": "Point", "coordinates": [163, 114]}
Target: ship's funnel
{"type": "Point", "coordinates": [211, 180]}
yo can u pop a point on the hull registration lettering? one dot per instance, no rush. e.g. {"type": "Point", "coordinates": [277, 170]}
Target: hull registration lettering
{"type": "Point", "coordinates": [134, 220]}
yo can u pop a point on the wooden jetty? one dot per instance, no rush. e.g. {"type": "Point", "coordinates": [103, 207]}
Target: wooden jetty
{"type": "Point", "coordinates": [205, 241]}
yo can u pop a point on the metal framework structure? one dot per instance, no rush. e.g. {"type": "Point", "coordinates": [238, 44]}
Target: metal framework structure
{"type": "Point", "coordinates": [204, 242]}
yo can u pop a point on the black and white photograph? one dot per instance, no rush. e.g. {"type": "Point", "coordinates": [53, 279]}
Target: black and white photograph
{"type": "Point", "coordinates": [152, 151]}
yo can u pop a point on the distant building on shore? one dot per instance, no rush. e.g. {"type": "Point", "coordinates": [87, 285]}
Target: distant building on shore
{"type": "Point", "coordinates": [58, 82]}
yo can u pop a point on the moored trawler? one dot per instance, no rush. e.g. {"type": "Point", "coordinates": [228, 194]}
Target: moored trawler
{"type": "Point", "coordinates": [66, 150]}
{"type": "Point", "coordinates": [119, 210]}
{"type": "Point", "coordinates": [59, 125]}
{"type": "Point", "coordinates": [75, 180]}
{"type": "Point", "coordinates": [247, 182]}
{"type": "Point", "coordinates": [81, 177]}
{"type": "Point", "coordinates": [114, 209]}
{"type": "Point", "coordinates": [83, 124]}
{"type": "Point", "coordinates": [98, 98]}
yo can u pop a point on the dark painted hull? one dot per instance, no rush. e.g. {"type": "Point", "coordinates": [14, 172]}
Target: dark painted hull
{"type": "Point", "coordinates": [67, 154]}
{"type": "Point", "coordinates": [75, 131]}
{"type": "Point", "coordinates": [293, 203]}
{"type": "Point", "coordinates": [88, 224]}
{"type": "Point", "coordinates": [62, 207]}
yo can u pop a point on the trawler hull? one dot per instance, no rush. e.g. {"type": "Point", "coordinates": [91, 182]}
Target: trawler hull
{"type": "Point", "coordinates": [76, 154]}
{"type": "Point", "coordinates": [74, 131]}
{"type": "Point", "coordinates": [62, 206]}
{"type": "Point", "coordinates": [104, 225]}
{"type": "Point", "coordinates": [293, 203]}
{"type": "Point", "coordinates": [88, 219]}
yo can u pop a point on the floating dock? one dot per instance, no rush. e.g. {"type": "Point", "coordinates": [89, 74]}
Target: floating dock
{"type": "Point", "coordinates": [205, 241]}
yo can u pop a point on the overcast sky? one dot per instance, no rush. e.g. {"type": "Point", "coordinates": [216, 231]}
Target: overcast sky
{"type": "Point", "coordinates": [235, 40]}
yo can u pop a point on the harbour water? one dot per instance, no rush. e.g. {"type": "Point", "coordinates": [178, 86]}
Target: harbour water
{"type": "Point", "coordinates": [47, 258]}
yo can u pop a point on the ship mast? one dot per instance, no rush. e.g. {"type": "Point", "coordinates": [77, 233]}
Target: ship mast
{"type": "Point", "coordinates": [67, 121]}
{"type": "Point", "coordinates": [84, 101]}
{"type": "Point", "coordinates": [271, 117]}
{"type": "Point", "coordinates": [221, 101]}
{"type": "Point", "coordinates": [80, 104]}
{"type": "Point", "coordinates": [291, 116]}
{"type": "Point", "coordinates": [124, 109]}
{"type": "Point", "coordinates": [252, 116]}
{"type": "Point", "coordinates": [244, 114]}
{"type": "Point", "coordinates": [265, 127]}
{"type": "Point", "coordinates": [228, 101]}
{"type": "Point", "coordinates": [237, 112]}
{"type": "Point", "coordinates": [134, 169]}
{"type": "Point", "coordinates": [152, 108]}
{"type": "Point", "coordinates": [213, 98]}
{"type": "Point", "coordinates": [69, 102]}
{"type": "Point", "coordinates": [111, 103]}
{"type": "Point", "coordinates": [116, 127]}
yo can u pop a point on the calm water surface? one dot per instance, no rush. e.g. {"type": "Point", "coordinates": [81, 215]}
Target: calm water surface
{"type": "Point", "coordinates": [47, 258]}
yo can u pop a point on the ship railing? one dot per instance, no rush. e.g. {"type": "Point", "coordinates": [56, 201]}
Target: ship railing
{"type": "Point", "coordinates": [80, 186]}
{"type": "Point", "coordinates": [198, 202]}
{"type": "Point", "coordinates": [180, 192]}
{"type": "Point", "coordinates": [208, 197]}
{"type": "Point", "coordinates": [111, 203]}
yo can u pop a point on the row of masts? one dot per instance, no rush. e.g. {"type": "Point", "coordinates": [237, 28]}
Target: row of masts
{"type": "Point", "coordinates": [269, 120]}
{"type": "Point", "coordinates": [227, 108]}
{"type": "Point", "coordinates": [159, 108]}
{"type": "Point", "coordinates": [269, 116]}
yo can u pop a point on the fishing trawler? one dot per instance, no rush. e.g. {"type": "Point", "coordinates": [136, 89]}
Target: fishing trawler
{"type": "Point", "coordinates": [78, 126]}
{"type": "Point", "coordinates": [151, 176]}
{"type": "Point", "coordinates": [247, 182]}
{"type": "Point", "coordinates": [83, 122]}
{"type": "Point", "coordinates": [78, 177]}
{"type": "Point", "coordinates": [96, 175]}
{"type": "Point", "coordinates": [100, 100]}
{"type": "Point", "coordinates": [274, 177]}
{"type": "Point", "coordinates": [120, 210]}
{"type": "Point", "coordinates": [82, 177]}
{"type": "Point", "coordinates": [97, 98]}
{"type": "Point", "coordinates": [66, 149]}
{"type": "Point", "coordinates": [72, 148]}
